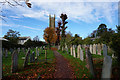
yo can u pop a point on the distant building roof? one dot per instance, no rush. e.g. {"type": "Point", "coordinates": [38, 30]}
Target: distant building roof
{"type": "Point", "coordinates": [1, 38]}
{"type": "Point", "coordinates": [24, 38]}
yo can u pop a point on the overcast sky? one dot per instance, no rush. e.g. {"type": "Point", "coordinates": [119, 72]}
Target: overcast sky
{"type": "Point", "coordinates": [83, 16]}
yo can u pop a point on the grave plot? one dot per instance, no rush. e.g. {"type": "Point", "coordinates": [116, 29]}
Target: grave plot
{"type": "Point", "coordinates": [37, 69]}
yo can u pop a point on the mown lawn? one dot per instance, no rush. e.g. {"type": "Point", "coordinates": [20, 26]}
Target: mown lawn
{"type": "Point", "coordinates": [34, 70]}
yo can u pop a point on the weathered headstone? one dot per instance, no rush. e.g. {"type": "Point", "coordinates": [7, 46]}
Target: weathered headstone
{"type": "Point", "coordinates": [36, 52]}
{"type": "Point", "coordinates": [14, 66]}
{"type": "Point", "coordinates": [91, 48]}
{"type": "Point", "coordinates": [45, 55]}
{"type": "Point", "coordinates": [23, 50]}
{"type": "Point", "coordinates": [33, 56]}
{"type": "Point", "coordinates": [6, 53]}
{"type": "Point", "coordinates": [71, 50]}
{"type": "Point", "coordinates": [81, 55]}
{"type": "Point", "coordinates": [26, 58]}
{"type": "Point", "coordinates": [18, 50]}
{"type": "Point", "coordinates": [94, 48]}
{"type": "Point", "coordinates": [74, 54]}
{"type": "Point", "coordinates": [89, 61]}
{"type": "Point", "coordinates": [107, 66]}
{"type": "Point", "coordinates": [78, 51]}
{"type": "Point", "coordinates": [104, 50]}
{"type": "Point", "coordinates": [99, 49]}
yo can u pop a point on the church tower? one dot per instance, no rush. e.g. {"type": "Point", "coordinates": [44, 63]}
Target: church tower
{"type": "Point", "coordinates": [52, 21]}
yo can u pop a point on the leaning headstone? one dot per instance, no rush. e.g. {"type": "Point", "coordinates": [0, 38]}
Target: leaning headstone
{"type": "Point", "coordinates": [14, 66]}
{"type": "Point", "coordinates": [26, 58]}
{"type": "Point", "coordinates": [81, 55]}
{"type": "Point", "coordinates": [94, 48]}
{"type": "Point", "coordinates": [89, 61]}
{"type": "Point", "coordinates": [6, 53]}
{"type": "Point", "coordinates": [78, 51]}
{"type": "Point", "coordinates": [74, 54]}
{"type": "Point", "coordinates": [99, 49]}
{"type": "Point", "coordinates": [31, 58]}
{"type": "Point", "coordinates": [104, 50]}
{"type": "Point", "coordinates": [107, 67]}
{"type": "Point", "coordinates": [71, 50]}
{"type": "Point", "coordinates": [91, 48]}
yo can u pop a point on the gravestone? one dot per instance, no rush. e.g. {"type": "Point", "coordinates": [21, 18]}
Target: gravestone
{"type": "Point", "coordinates": [26, 58]}
{"type": "Point", "coordinates": [91, 48]}
{"type": "Point", "coordinates": [99, 49]}
{"type": "Point", "coordinates": [78, 51]}
{"type": "Point", "coordinates": [58, 47]}
{"type": "Point", "coordinates": [71, 50]}
{"type": "Point", "coordinates": [89, 61]}
{"type": "Point", "coordinates": [6, 53]}
{"type": "Point", "coordinates": [104, 50]}
{"type": "Point", "coordinates": [45, 55]}
{"type": "Point", "coordinates": [107, 67]}
{"type": "Point", "coordinates": [33, 56]}
{"type": "Point", "coordinates": [74, 54]}
{"type": "Point", "coordinates": [81, 55]}
{"type": "Point", "coordinates": [14, 66]}
{"type": "Point", "coordinates": [36, 52]}
{"type": "Point", "coordinates": [94, 48]}
{"type": "Point", "coordinates": [3, 51]}
{"type": "Point", "coordinates": [23, 50]}
{"type": "Point", "coordinates": [18, 50]}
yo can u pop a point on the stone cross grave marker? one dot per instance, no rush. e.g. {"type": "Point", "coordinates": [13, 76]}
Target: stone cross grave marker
{"type": "Point", "coordinates": [89, 61]}
{"type": "Point", "coordinates": [104, 50]}
{"type": "Point", "coordinates": [107, 67]}
{"type": "Point", "coordinates": [14, 66]}
{"type": "Point", "coordinates": [78, 51]}
{"type": "Point", "coordinates": [81, 55]}
{"type": "Point", "coordinates": [94, 48]}
{"type": "Point", "coordinates": [26, 58]}
{"type": "Point", "coordinates": [74, 54]}
{"type": "Point", "coordinates": [91, 48]}
{"type": "Point", "coordinates": [99, 49]}
{"type": "Point", "coordinates": [71, 50]}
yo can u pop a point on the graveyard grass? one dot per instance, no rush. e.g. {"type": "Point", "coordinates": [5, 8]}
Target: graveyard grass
{"type": "Point", "coordinates": [78, 66]}
{"type": "Point", "coordinates": [34, 70]}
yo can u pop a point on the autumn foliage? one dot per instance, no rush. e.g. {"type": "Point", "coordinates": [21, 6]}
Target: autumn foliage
{"type": "Point", "coordinates": [50, 35]}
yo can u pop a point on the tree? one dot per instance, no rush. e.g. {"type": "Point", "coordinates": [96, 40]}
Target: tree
{"type": "Point", "coordinates": [36, 38]}
{"type": "Point", "coordinates": [58, 30]}
{"type": "Point", "coordinates": [76, 40]}
{"type": "Point", "coordinates": [12, 36]}
{"type": "Point", "coordinates": [118, 28]}
{"type": "Point", "coordinates": [63, 17]}
{"type": "Point", "coordinates": [50, 35]}
{"type": "Point", "coordinates": [87, 40]}
{"type": "Point", "coordinates": [101, 29]}
{"type": "Point", "coordinates": [12, 3]}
